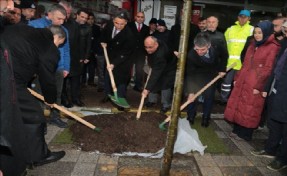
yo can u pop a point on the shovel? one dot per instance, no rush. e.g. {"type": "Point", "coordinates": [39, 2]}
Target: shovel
{"type": "Point", "coordinates": [122, 102]}
{"type": "Point", "coordinates": [162, 125]}
{"type": "Point", "coordinates": [142, 99]}
{"type": "Point", "coordinates": [60, 108]}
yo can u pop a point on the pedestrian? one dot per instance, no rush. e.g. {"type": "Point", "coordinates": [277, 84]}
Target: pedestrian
{"type": "Point", "coordinates": [120, 42]}
{"type": "Point", "coordinates": [140, 32]}
{"type": "Point", "coordinates": [247, 98]}
{"type": "Point", "coordinates": [163, 65]}
{"type": "Point", "coordinates": [235, 36]}
{"type": "Point", "coordinates": [27, 51]}
{"type": "Point", "coordinates": [203, 63]}
{"type": "Point", "coordinates": [56, 15]}
{"type": "Point", "coordinates": [276, 143]}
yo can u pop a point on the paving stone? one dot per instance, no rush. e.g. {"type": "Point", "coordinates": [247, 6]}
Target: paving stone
{"type": "Point", "coordinates": [71, 156]}
{"type": "Point", "coordinates": [108, 159]}
{"type": "Point", "coordinates": [210, 171]}
{"type": "Point", "coordinates": [88, 157]}
{"type": "Point", "coordinates": [224, 125]}
{"type": "Point", "coordinates": [240, 171]}
{"type": "Point", "coordinates": [204, 161]}
{"type": "Point", "coordinates": [221, 134]}
{"type": "Point", "coordinates": [223, 161]}
{"type": "Point", "coordinates": [266, 172]}
{"type": "Point", "coordinates": [259, 161]}
{"type": "Point", "coordinates": [243, 146]}
{"type": "Point", "coordinates": [56, 168]}
{"type": "Point", "coordinates": [52, 132]}
{"type": "Point", "coordinates": [241, 161]}
{"type": "Point", "coordinates": [106, 170]}
{"type": "Point", "coordinates": [87, 169]}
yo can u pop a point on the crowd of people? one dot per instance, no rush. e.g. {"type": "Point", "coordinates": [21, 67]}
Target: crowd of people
{"type": "Point", "coordinates": [55, 53]}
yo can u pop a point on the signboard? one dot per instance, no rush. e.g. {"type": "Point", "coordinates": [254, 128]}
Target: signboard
{"type": "Point", "coordinates": [147, 8]}
{"type": "Point", "coordinates": [169, 14]}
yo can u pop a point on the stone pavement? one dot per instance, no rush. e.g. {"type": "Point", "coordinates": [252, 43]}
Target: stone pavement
{"type": "Point", "coordinates": [238, 163]}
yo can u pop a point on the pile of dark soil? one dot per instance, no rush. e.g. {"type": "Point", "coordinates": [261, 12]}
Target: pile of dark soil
{"type": "Point", "coordinates": [121, 133]}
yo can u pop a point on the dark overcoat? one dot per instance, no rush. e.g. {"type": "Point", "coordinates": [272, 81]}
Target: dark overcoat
{"type": "Point", "coordinates": [277, 106]}
{"type": "Point", "coordinates": [119, 51]}
{"type": "Point", "coordinates": [163, 66]}
{"type": "Point", "coordinates": [32, 51]}
{"type": "Point", "coordinates": [244, 107]}
{"type": "Point", "coordinates": [198, 72]}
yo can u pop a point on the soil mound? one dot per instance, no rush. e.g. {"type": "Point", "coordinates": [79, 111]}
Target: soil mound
{"type": "Point", "coordinates": [121, 133]}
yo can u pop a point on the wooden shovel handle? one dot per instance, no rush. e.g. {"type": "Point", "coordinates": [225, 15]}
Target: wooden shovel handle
{"type": "Point", "coordinates": [142, 98]}
{"type": "Point", "coordinates": [202, 90]}
{"type": "Point", "coordinates": [104, 45]}
{"type": "Point", "coordinates": [60, 108]}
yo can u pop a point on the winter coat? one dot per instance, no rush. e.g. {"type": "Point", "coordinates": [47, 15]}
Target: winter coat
{"type": "Point", "coordinates": [198, 73]}
{"type": "Point", "coordinates": [277, 107]}
{"type": "Point", "coordinates": [163, 66]}
{"type": "Point", "coordinates": [64, 62]}
{"type": "Point", "coordinates": [119, 51]}
{"type": "Point", "coordinates": [244, 107]}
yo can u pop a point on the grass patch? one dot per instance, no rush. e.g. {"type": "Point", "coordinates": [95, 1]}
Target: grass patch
{"type": "Point", "coordinates": [208, 137]}
{"type": "Point", "coordinates": [65, 137]}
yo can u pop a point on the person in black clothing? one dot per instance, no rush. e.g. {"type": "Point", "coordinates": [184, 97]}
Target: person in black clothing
{"type": "Point", "coordinates": [140, 31]}
{"type": "Point", "coordinates": [161, 33]}
{"type": "Point", "coordinates": [26, 51]}
{"type": "Point", "coordinates": [162, 77]}
{"type": "Point", "coordinates": [28, 10]}
{"type": "Point", "coordinates": [119, 39]}
{"type": "Point", "coordinates": [202, 65]}
{"type": "Point", "coordinates": [97, 60]}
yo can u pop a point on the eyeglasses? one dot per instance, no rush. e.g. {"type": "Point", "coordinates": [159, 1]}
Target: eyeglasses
{"type": "Point", "coordinates": [140, 16]}
{"type": "Point", "coordinates": [149, 47]}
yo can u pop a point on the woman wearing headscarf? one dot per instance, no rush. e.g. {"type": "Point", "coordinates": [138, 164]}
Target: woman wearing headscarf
{"type": "Point", "coordinates": [247, 98]}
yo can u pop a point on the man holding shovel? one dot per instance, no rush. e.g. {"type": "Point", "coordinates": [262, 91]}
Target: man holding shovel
{"type": "Point", "coordinates": [163, 67]}
{"type": "Point", "coordinates": [118, 40]}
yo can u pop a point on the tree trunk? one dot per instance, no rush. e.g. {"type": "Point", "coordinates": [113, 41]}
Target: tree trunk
{"type": "Point", "coordinates": [175, 111]}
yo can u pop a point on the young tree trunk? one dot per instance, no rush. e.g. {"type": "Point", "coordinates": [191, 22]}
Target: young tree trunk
{"type": "Point", "coordinates": [175, 111]}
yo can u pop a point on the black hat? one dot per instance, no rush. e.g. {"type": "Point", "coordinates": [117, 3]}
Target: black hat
{"type": "Point", "coordinates": [28, 4]}
{"type": "Point", "coordinates": [122, 15]}
{"type": "Point", "coordinates": [153, 21]}
{"type": "Point", "coordinates": [161, 22]}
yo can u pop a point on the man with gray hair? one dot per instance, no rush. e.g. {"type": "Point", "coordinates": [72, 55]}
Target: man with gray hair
{"type": "Point", "coordinates": [56, 16]}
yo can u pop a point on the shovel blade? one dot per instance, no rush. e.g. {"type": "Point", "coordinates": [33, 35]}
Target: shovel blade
{"type": "Point", "coordinates": [122, 102]}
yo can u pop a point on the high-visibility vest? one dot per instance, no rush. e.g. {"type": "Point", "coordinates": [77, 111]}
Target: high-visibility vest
{"type": "Point", "coordinates": [236, 36]}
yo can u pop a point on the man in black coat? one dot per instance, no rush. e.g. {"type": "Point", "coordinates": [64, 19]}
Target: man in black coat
{"type": "Point", "coordinates": [140, 31]}
{"type": "Point", "coordinates": [203, 63]}
{"type": "Point", "coordinates": [27, 51]}
{"type": "Point", "coordinates": [120, 44]}
{"type": "Point", "coordinates": [162, 77]}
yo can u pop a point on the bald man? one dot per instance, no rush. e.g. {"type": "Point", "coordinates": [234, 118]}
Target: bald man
{"type": "Point", "coordinates": [162, 77]}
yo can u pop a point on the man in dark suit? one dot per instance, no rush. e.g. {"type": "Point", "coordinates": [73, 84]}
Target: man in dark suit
{"type": "Point", "coordinates": [120, 42]}
{"type": "Point", "coordinates": [140, 31]}
{"type": "Point", "coordinates": [27, 51]}
{"type": "Point", "coordinates": [162, 77]}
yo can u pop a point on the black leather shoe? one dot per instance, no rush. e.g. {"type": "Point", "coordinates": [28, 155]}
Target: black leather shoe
{"type": "Point", "coordinates": [52, 157]}
{"type": "Point", "coordinates": [191, 121]}
{"type": "Point", "coordinates": [67, 103]}
{"type": "Point", "coordinates": [105, 99]}
{"type": "Point", "coordinates": [149, 104]}
{"type": "Point", "coordinates": [205, 122]}
{"type": "Point", "coordinates": [163, 110]}
{"type": "Point", "coordinates": [58, 122]}
{"type": "Point", "coordinates": [78, 103]}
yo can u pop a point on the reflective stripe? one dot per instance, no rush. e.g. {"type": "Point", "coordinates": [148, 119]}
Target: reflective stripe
{"type": "Point", "coordinates": [226, 90]}
{"type": "Point", "coordinates": [234, 57]}
{"type": "Point", "coordinates": [226, 85]}
{"type": "Point", "coordinates": [237, 40]}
